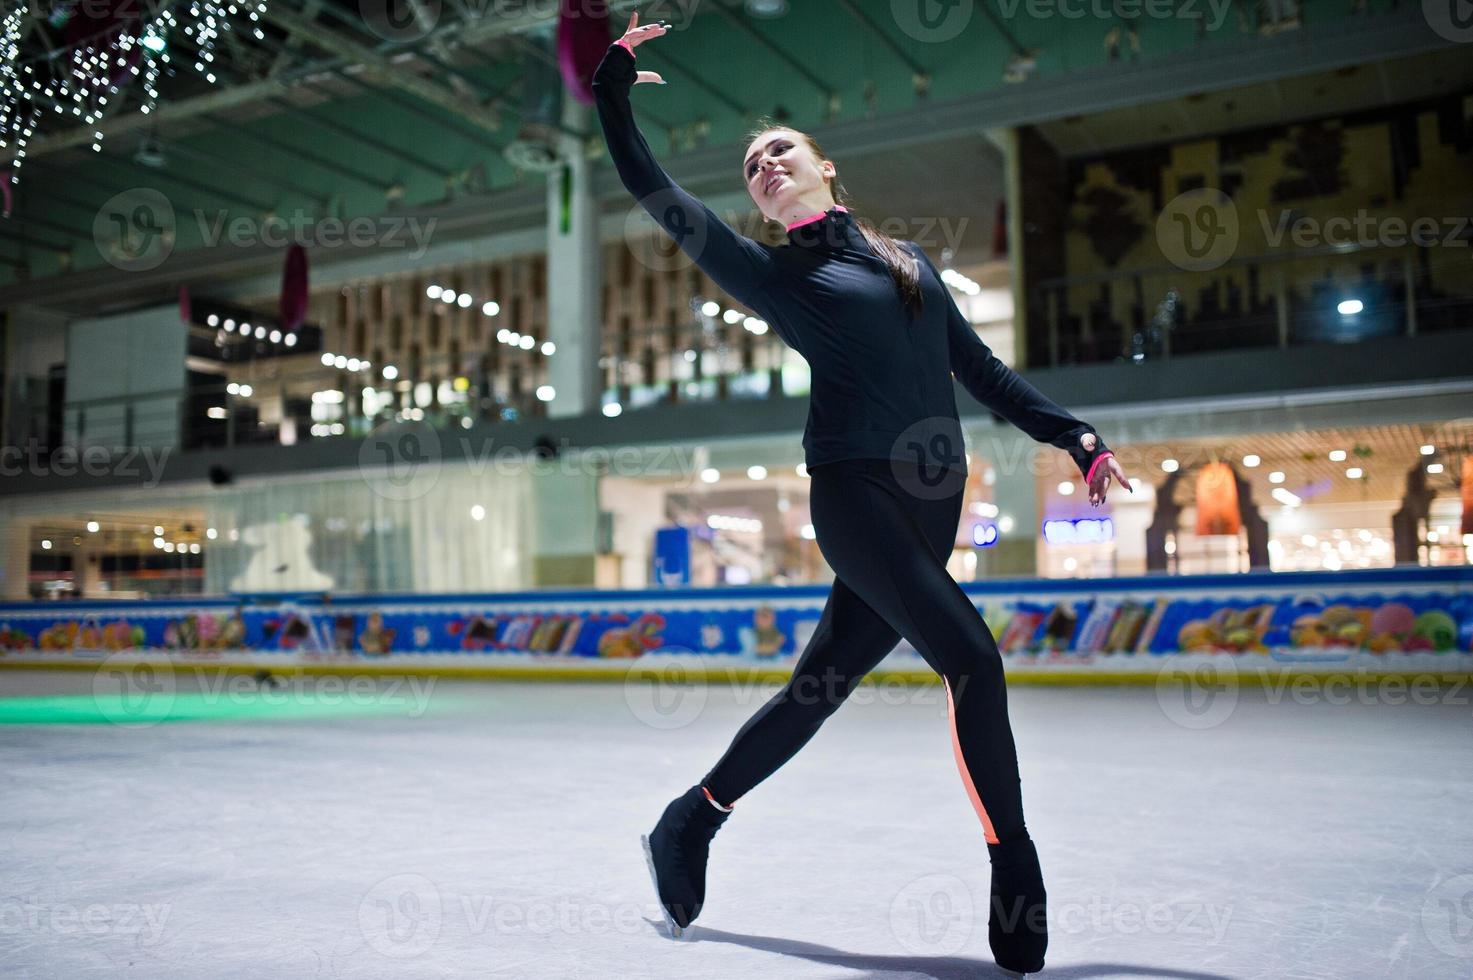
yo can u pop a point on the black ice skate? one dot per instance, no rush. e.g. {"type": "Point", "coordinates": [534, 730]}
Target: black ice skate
{"type": "Point", "coordinates": [1017, 929]}
{"type": "Point", "coordinates": [676, 853]}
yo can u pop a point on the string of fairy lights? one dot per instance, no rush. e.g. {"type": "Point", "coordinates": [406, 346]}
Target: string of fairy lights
{"type": "Point", "coordinates": [81, 82]}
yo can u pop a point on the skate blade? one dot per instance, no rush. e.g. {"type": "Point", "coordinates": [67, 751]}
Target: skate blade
{"type": "Point", "coordinates": [676, 931]}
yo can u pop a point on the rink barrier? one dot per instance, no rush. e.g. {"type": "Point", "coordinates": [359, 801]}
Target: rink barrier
{"type": "Point", "coordinates": [1366, 623]}
{"type": "Point", "coordinates": [1449, 679]}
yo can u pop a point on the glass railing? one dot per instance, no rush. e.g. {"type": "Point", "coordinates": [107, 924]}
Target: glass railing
{"type": "Point", "coordinates": [250, 409]}
{"type": "Point", "coordinates": [1280, 300]}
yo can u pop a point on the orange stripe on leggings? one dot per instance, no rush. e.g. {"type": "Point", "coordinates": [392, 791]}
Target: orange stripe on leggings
{"type": "Point", "coordinates": [961, 764]}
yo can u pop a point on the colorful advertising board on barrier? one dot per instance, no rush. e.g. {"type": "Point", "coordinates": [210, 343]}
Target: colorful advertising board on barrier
{"type": "Point", "coordinates": [1408, 619]}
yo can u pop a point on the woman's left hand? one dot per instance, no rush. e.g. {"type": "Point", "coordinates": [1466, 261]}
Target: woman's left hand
{"type": "Point", "coordinates": [1103, 473]}
{"type": "Point", "coordinates": [637, 34]}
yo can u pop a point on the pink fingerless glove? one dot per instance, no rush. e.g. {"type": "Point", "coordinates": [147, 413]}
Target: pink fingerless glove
{"type": "Point", "coordinates": [1090, 477]}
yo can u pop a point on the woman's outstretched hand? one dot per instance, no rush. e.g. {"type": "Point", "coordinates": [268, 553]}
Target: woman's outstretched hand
{"type": "Point", "coordinates": [1103, 474]}
{"type": "Point", "coordinates": [635, 35]}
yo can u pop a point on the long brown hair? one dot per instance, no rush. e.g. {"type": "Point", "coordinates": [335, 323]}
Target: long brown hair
{"type": "Point", "coordinates": [904, 269]}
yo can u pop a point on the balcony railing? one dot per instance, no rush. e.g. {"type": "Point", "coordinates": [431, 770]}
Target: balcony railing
{"type": "Point", "coordinates": [1283, 299]}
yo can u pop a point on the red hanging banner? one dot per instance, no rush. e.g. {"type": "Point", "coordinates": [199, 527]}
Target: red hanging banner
{"type": "Point", "coordinates": [1217, 501]}
{"type": "Point", "coordinates": [1468, 494]}
{"type": "Point", "coordinates": [582, 40]}
{"type": "Point", "coordinates": [294, 297]}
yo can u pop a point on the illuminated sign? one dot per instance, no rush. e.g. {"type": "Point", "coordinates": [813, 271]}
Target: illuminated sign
{"type": "Point", "coordinates": [984, 535]}
{"type": "Point", "coordinates": [1086, 530]}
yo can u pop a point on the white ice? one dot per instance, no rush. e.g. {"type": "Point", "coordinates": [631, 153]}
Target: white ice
{"type": "Point", "coordinates": [497, 835]}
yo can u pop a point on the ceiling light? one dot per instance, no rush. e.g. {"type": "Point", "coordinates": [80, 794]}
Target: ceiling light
{"type": "Point", "coordinates": [766, 9]}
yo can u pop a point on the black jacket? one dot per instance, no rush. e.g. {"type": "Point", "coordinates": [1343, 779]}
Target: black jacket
{"type": "Point", "coordinates": [881, 380]}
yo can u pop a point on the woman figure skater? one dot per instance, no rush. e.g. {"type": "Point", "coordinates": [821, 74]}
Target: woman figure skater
{"type": "Point", "coordinates": [884, 451]}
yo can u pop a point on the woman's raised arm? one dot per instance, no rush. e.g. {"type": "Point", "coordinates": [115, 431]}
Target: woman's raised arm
{"type": "Point", "coordinates": [734, 262]}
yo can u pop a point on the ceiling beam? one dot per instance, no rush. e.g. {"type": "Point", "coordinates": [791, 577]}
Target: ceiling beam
{"type": "Point", "coordinates": [481, 28]}
{"type": "Point", "coordinates": [465, 87]}
{"type": "Point", "coordinates": [61, 248]}
{"type": "Point", "coordinates": [299, 153]}
{"type": "Point", "coordinates": [229, 166]}
{"type": "Point", "coordinates": [103, 288]}
{"type": "Point", "coordinates": [437, 114]}
{"type": "Point", "coordinates": [381, 66]}
{"type": "Point", "coordinates": [1214, 67]}
{"type": "Point", "coordinates": [700, 82]}
{"type": "Point", "coordinates": [34, 188]}
{"type": "Point", "coordinates": [319, 118]}
{"type": "Point", "coordinates": [919, 76]}
{"type": "Point", "coordinates": [286, 52]}
{"type": "Point", "coordinates": [830, 96]}
{"type": "Point", "coordinates": [164, 114]}
{"type": "Point", "coordinates": [24, 219]}
{"type": "Point", "coordinates": [209, 190]}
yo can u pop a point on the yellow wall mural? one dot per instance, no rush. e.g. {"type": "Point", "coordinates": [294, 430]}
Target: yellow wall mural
{"type": "Point", "coordinates": [1323, 215]}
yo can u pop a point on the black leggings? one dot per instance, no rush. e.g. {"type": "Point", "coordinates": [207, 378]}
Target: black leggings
{"type": "Point", "coordinates": [886, 529]}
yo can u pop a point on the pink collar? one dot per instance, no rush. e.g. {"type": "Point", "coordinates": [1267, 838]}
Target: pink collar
{"type": "Point", "coordinates": [814, 217]}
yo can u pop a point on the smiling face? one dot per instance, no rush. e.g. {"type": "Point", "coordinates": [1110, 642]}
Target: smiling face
{"type": "Point", "coordinates": [785, 177]}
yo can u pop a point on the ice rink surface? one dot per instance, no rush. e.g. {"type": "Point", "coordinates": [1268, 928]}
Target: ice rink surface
{"type": "Point", "coordinates": [492, 830]}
